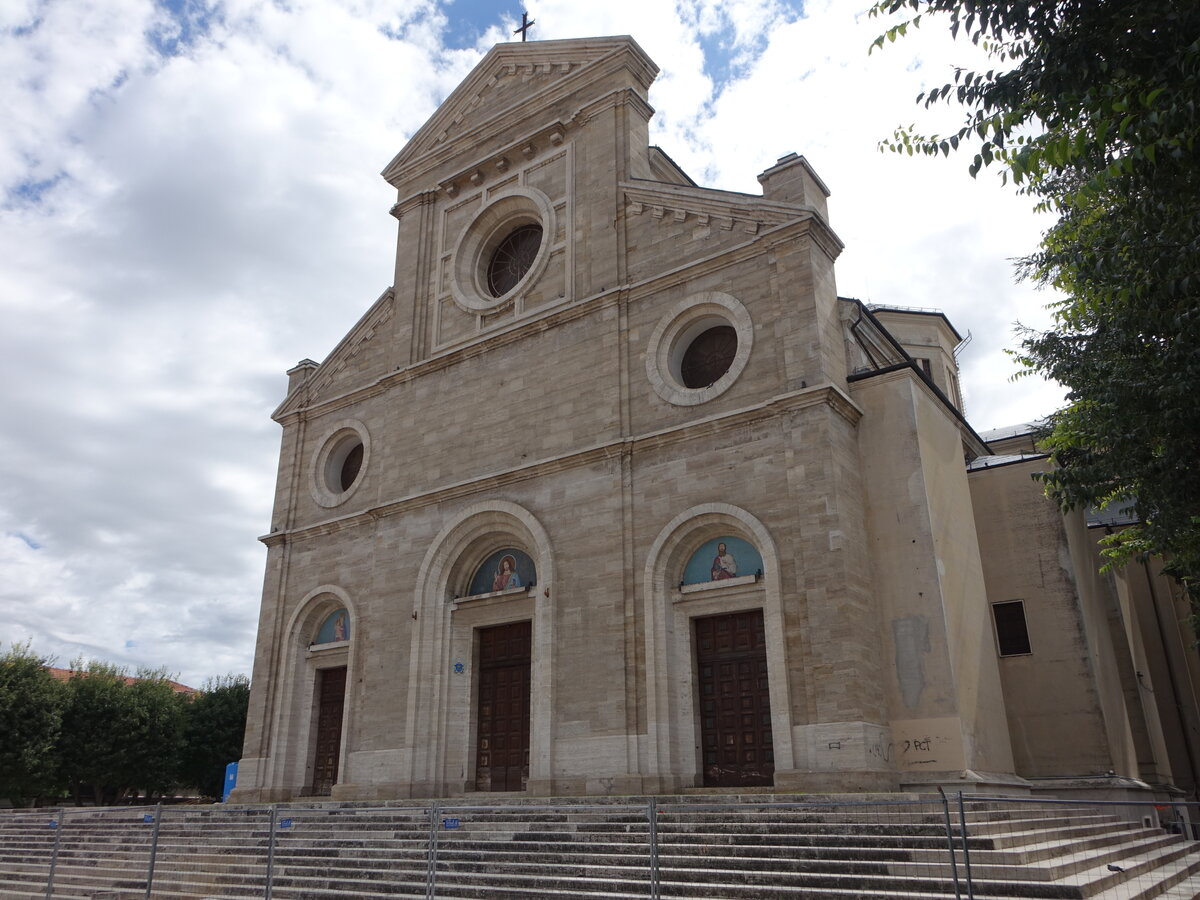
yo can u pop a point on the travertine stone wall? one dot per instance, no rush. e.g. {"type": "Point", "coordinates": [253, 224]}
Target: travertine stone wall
{"type": "Point", "coordinates": [550, 420]}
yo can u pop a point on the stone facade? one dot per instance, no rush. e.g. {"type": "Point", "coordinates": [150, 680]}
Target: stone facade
{"type": "Point", "coordinates": [556, 418]}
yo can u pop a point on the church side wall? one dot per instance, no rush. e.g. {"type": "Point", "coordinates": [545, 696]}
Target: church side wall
{"type": "Point", "coordinates": [1053, 702]}
{"type": "Point", "coordinates": [1168, 661]}
{"type": "Point", "coordinates": [1131, 617]}
{"type": "Point", "coordinates": [255, 776]}
{"type": "Point", "coordinates": [946, 710]}
{"type": "Point", "coordinates": [961, 583]}
{"type": "Point", "coordinates": [842, 735]}
{"type": "Point", "coordinates": [1109, 653]}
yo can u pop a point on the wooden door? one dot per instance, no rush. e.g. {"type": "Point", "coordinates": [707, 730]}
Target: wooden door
{"type": "Point", "coordinates": [331, 699]}
{"type": "Point", "coordinates": [502, 752]}
{"type": "Point", "coordinates": [735, 703]}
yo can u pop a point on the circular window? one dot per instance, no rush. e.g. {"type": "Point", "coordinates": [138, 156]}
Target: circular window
{"type": "Point", "coordinates": [503, 250]}
{"type": "Point", "coordinates": [337, 468]}
{"type": "Point", "coordinates": [699, 348]}
{"type": "Point", "coordinates": [512, 259]}
{"type": "Point", "coordinates": [351, 465]}
{"type": "Point", "coordinates": [708, 357]}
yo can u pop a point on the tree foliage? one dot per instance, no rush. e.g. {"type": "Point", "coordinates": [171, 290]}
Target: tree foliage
{"type": "Point", "coordinates": [31, 704]}
{"type": "Point", "coordinates": [119, 737]}
{"type": "Point", "coordinates": [105, 737]}
{"type": "Point", "coordinates": [157, 737]}
{"type": "Point", "coordinates": [1091, 107]}
{"type": "Point", "coordinates": [213, 733]}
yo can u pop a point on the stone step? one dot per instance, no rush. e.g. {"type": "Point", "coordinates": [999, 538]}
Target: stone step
{"type": "Point", "coordinates": [331, 845]}
{"type": "Point", "coordinates": [1185, 885]}
{"type": "Point", "coordinates": [1100, 879]}
{"type": "Point", "coordinates": [712, 884]}
{"type": "Point", "coordinates": [16, 893]}
{"type": "Point", "coordinates": [587, 850]}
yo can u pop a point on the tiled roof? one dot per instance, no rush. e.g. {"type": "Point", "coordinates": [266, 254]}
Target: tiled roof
{"type": "Point", "coordinates": [65, 674]}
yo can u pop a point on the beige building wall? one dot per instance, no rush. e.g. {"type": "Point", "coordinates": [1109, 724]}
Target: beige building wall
{"type": "Point", "coordinates": [554, 419]}
{"type": "Point", "coordinates": [1168, 664]}
{"type": "Point", "coordinates": [1083, 705]}
{"type": "Point", "coordinates": [943, 688]}
{"type": "Point", "coordinates": [1056, 707]}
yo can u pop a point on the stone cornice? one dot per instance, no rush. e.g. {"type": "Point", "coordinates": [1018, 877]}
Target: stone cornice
{"type": "Point", "coordinates": [820, 396]}
{"type": "Point", "coordinates": [403, 207]}
{"type": "Point", "coordinates": [756, 245]}
{"type": "Point", "coordinates": [613, 100]}
{"type": "Point", "coordinates": [712, 200]}
{"type": "Point", "coordinates": [724, 210]}
{"type": "Point", "coordinates": [490, 166]}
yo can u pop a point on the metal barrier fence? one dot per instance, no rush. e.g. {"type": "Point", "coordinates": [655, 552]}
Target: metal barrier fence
{"type": "Point", "coordinates": [652, 847]}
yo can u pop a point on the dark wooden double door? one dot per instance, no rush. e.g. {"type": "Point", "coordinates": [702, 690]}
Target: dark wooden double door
{"type": "Point", "coordinates": [502, 750]}
{"type": "Point", "coordinates": [331, 702]}
{"type": "Point", "coordinates": [735, 703]}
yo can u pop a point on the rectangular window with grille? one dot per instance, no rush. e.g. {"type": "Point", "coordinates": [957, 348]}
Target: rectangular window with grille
{"type": "Point", "coordinates": [1012, 634]}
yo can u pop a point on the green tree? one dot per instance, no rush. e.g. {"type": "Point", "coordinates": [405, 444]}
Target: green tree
{"type": "Point", "coordinates": [214, 729]}
{"type": "Point", "coordinates": [156, 742]}
{"type": "Point", "coordinates": [119, 735]}
{"type": "Point", "coordinates": [1092, 107]}
{"type": "Point", "coordinates": [97, 716]}
{"type": "Point", "coordinates": [31, 705]}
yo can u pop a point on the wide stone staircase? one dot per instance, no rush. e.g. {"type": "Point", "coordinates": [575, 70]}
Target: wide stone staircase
{"type": "Point", "coordinates": [713, 847]}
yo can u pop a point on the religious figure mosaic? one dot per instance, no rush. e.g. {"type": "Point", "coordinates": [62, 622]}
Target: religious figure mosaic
{"type": "Point", "coordinates": [504, 569]}
{"type": "Point", "coordinates": [721, 559]}
{"type": "Point", "coordinates": [336, 627]}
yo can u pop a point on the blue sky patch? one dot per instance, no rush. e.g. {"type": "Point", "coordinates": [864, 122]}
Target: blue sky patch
{"type": "Point", "coordinates": [466, 20]}
{"type": "Point", "coordinates": [189, 20]}
{"type": "Point", "coordinates": [32, 26]}
{"type": "Point", "coordinates": [33, 545]}
{"type": "Point", "coordinates": [30, 193]}
{"type": "Point", "coordinates": [722, 62]}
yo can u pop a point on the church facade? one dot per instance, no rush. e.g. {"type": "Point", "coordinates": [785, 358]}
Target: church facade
{"type": "Point", "coordinates": [610, 492]}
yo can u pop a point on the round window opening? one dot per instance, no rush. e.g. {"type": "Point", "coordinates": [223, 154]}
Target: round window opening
{"type": "Point", "coordinates": [699, 348]}
{"type": "Point", "coordinates": [709, 356]}
{"type": "Point", "coordinates": [512, 258]}
{"type": "Point", "coordinates": [344, 464]}
{"type": "Point", "coordinates": [351, 466]}
{"type": "Point", "coordinates": [337, 469]}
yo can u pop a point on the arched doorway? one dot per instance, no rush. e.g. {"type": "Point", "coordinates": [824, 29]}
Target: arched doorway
{"type": "Point", "coordinates": [329, 700]}
{"type": "Point", "coordinates": [717, 683]}
{"type": "Point", "coordinates": [316, 695]}
{"type": "Point", "coordinates": [730, 665]}
{"type": "Point", "coordinates": [480, 682]}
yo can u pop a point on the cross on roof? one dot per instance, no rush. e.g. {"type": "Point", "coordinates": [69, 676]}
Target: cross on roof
{"type": "Point", "coordinates": [526, 24]}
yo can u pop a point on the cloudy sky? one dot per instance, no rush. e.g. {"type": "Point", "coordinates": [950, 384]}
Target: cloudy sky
{"type": "Point", "coordinates": [191, 203]}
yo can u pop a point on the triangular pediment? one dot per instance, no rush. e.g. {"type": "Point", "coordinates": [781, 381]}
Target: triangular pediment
{"type": "Point", "coordinates": [358, 360]}
{"type": "Point", "coordinates": [513, 77]}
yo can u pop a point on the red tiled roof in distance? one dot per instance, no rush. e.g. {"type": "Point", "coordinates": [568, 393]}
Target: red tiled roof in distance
{"type": "Point", "coordinates": [65, 674]}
